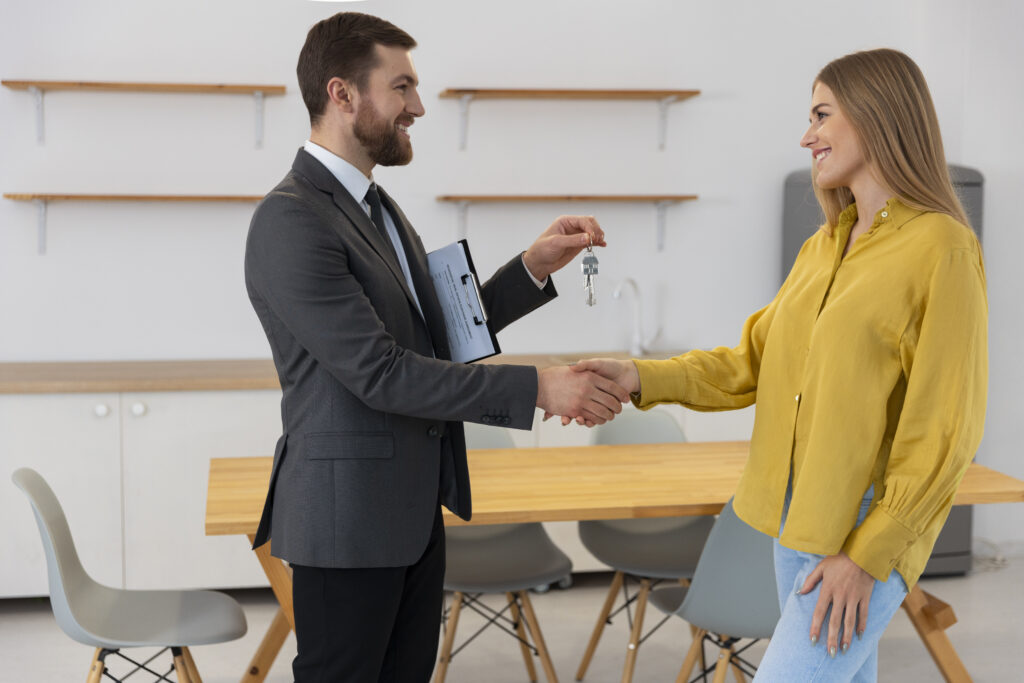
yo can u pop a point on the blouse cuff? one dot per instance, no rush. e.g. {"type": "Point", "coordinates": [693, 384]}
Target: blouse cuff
{"type": "Point", "coordinates": [878, 542]}
{"type": "Point", "coordinates": [656, 385]}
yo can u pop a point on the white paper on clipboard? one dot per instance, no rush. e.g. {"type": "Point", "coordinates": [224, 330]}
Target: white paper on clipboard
{"type": "Point", "coordinates": [469, 335]}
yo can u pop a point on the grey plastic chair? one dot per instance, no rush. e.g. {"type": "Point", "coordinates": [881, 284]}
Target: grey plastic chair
{"type": "Point", "coordinates": [499, 558]}
{"type": "Point", "coordinates": [732, 597]}
{"type": "Point", "coordinates": [647, 551]}
{"type": "Point", "coordinates": [110, 619]}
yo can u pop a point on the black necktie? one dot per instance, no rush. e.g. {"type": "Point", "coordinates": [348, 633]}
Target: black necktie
{"type": "Point", "coordinates": [377, 215]}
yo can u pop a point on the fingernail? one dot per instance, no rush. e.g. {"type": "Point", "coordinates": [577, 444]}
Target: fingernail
{"type": "Point", "coordinates": [859, 634]}
{"type": "Point", "coordinates": [846, 646]}
{"type": "Point", "coordinates": [814, 640]}
{"type": "Point", "coordinates": [832, 652]}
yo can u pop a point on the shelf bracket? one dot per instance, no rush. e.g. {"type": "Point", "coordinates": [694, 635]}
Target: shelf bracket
{"type": "Point", "coordinates": [463, 229]}
{"type": "Point", "coordinates": [663, 119]}
{"type": "Point", "coordinates": [660, 208]}
{"type": "Point", "coordinates": [37, 95]}
{"type": "Point", "coordinates": [464, 119]}
{"type": "Point", "coordinates": [257, 98]}
{"type": "Point", "coordinates": [40, 225]}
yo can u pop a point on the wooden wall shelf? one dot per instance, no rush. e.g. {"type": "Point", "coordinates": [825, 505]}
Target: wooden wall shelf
{"type": "Point", "coordinates": [32, 196]}
{"type": "Point", "coordinates": [37, 88]}
{"type": "Point", "coordinates": [467, 95]}
{"type": "Point", "coordinates": [661, 203]}
{"type": "Point", "coordinates": [42, 199]}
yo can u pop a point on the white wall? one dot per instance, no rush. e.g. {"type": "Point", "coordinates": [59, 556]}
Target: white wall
{"type": "Point", "coordinates": [132, 281]}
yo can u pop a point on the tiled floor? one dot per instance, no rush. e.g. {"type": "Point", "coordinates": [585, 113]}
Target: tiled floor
{"type": "Point", "coordinates": [989, 604]}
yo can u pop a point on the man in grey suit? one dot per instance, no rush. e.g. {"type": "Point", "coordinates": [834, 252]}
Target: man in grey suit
{"type": "Point", "coordinates": [372, 408]}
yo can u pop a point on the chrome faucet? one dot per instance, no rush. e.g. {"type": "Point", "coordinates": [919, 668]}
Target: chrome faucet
{"type": "Point", "coordinates": [638, 346]}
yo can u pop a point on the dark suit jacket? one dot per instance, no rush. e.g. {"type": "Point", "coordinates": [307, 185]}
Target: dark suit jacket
{"type": "Point", "coordinates": [372, 409]}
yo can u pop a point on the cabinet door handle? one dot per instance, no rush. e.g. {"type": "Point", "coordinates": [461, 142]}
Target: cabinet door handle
{"type": "Point", "coordinates": [101, 410]}
{"type": "Point", "coordinates": [139, 409]}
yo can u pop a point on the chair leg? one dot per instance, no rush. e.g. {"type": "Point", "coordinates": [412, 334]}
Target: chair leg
{"type": "Point", "coordinates": [738, 673]}
{"type": "Point", "coordinates": [638, 625]}
{"type": "Point", "coordinates": [538, 638]}
{"type": "Point", "coordinates": [96, 668]}
{"type": "Point", "coordinates": [180, 668]}
{"type": "Point", "coordinates": [449, 639]}
{"type": "Point", "coordinates": [531, 670]}
{"type": "Point", "coordinates": [190, 665]}
{"type": "Point", "coordinates": [724, 660]}
{"type": "Point", "coordinates": [695, 651]}
{"type": "Point", "coordinates": [602, 619]}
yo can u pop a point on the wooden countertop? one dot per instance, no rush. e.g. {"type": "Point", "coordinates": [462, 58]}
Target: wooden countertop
{"type": "Point", "coordinates": [193, 375]}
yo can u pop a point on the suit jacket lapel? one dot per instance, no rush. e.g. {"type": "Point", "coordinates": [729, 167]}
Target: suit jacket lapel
{"type": "Point", "coordinates": [325, 181]}
{"type": "Point", "coordinates": [420, 271]}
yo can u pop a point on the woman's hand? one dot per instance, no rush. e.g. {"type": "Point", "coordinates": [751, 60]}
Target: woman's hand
{"type": "Point", "coordinates": [846, 587]}
{"type": "Point", "coordinates": [621, 372]}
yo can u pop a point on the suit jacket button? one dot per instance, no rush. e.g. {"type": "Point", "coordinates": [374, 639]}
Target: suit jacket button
{"type": "Point", "coordinates": [486, 419]}
{"type": "Point", "coordinates": [506, 420]}
{"type": "Point", "coordinates": [432, 431]}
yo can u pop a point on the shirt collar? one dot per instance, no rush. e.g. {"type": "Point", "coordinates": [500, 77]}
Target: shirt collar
{"type": "Point", "coordinates": [351, 178]}
{"type": "Point", "coordinates": [894, 213]}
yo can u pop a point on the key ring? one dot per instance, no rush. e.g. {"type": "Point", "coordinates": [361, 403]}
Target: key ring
{"type": "Point", "coordinates": [590, 241]}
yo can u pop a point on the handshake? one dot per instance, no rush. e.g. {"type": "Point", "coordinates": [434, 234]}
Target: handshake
{"type": "Point", "coordinates": [590, 392]}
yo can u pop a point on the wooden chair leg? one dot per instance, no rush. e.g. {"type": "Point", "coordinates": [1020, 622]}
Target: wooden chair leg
{"type": "Point", "coordinates": [638, 626]}
{"type": "Point", "coordinates": [449, 639]}
{"type": "Point", "coordinates": [180, 668]}
{"type": "Point", "coordinates": [190, 665]}
{"type": "Point", "coordinates": [602, 619]}
{"type": "Point", "coordinates": [531, 670]}
{"type": "Point", "coordinates": [722, 668]}
{"type": "Point", "coordinates": [96, 668]}
{"type": "Point", "coordinates": [692, 655]}
{"type": "Point", "coordinates": [266, 653]}
{"type": "Point", "coordinates": [537, 637]}
{"type": "Point", "coordinates": [928, 614]}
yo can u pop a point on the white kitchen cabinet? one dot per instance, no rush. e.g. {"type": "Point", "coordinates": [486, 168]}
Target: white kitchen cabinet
{"type": "Point", "coordinates": [168, 440]}
{"type": "Point", "coordinates": [73, 441]}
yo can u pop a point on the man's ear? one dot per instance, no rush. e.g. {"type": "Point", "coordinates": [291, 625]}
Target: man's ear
{"type": "Point", "coordinates": [342, 94]}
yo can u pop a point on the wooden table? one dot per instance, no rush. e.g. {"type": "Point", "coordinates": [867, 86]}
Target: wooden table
{"type": "Point", "coordinates": [577, 483]}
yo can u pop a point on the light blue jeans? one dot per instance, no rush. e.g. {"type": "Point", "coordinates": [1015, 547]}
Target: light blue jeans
{"type": "Point", "coordinates": [791, 656]}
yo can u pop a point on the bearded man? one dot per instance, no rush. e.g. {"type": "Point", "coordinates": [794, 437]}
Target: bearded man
{"type": "Point", "coordinates": [372, 407]}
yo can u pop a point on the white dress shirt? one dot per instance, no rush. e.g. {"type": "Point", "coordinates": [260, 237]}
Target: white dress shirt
{"type": "Point", "coordinates": [353, 180]}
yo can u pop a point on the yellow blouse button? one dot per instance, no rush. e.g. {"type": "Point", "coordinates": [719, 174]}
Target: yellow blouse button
{"type": "Point", "coordinates": [885, 214]}
{"type": "Point", "coordinates": [798, 397]}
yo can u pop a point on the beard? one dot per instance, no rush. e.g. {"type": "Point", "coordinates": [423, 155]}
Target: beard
{"type": "Point", "coordinates": [381, 139]}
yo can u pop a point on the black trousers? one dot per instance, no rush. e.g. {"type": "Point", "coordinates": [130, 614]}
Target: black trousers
{"type": "Point", "coordinates": [377, 625]}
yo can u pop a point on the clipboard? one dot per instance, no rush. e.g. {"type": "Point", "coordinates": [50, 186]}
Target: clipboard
{"type": "Point", "coordinates": [470, 337]}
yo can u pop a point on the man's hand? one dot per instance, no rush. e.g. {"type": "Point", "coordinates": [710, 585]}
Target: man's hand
{"type": "Point", "coordinates": [622, 372]}
{"type": "Point", "coordinates": [564, 391]}
{"type": "Point", "coordinates": [562, 242]}
{"type": "Point", "coordinates": [847, 588]}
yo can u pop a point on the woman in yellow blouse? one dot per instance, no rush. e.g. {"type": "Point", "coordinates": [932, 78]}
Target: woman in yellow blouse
{"type": "Point", "coordinates": [869, 371]}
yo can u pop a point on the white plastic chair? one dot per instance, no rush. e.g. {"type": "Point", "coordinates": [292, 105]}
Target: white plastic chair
{"type": "Point", "coordinates": [110, 619]}
{"type": "Point", "coordinates": [496, 559]}
{"type": "Point", "coordinates": [647, 551]}
{"type": "Point", "coordinates": [732, 597]}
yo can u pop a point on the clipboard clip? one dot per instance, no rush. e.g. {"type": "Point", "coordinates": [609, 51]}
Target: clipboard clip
{"type": "Point", "coordinates": [479, 300]}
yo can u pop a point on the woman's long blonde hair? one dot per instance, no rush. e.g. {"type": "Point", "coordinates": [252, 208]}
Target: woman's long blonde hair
{"type": "Point", "coordinates": [884, 95]}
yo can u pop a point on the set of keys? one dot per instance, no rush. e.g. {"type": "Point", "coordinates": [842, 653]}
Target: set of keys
{"type": "Point", "coordinates": [589, 267]}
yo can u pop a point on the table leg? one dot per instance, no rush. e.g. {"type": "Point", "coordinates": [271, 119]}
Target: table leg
{"type": "Point", "coordinates": [280, 578]}
{"type": "Point", "coordinates": [267, 652]}
{"type": "Point", "coordinates": [930, 617]}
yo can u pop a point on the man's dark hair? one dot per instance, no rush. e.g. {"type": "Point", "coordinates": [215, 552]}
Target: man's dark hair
{"type": "Point", "coordinates": [343, 46]}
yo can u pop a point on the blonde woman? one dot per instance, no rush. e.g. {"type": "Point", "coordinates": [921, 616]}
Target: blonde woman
{"type": "Point", "coordinates": [869, 370]}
